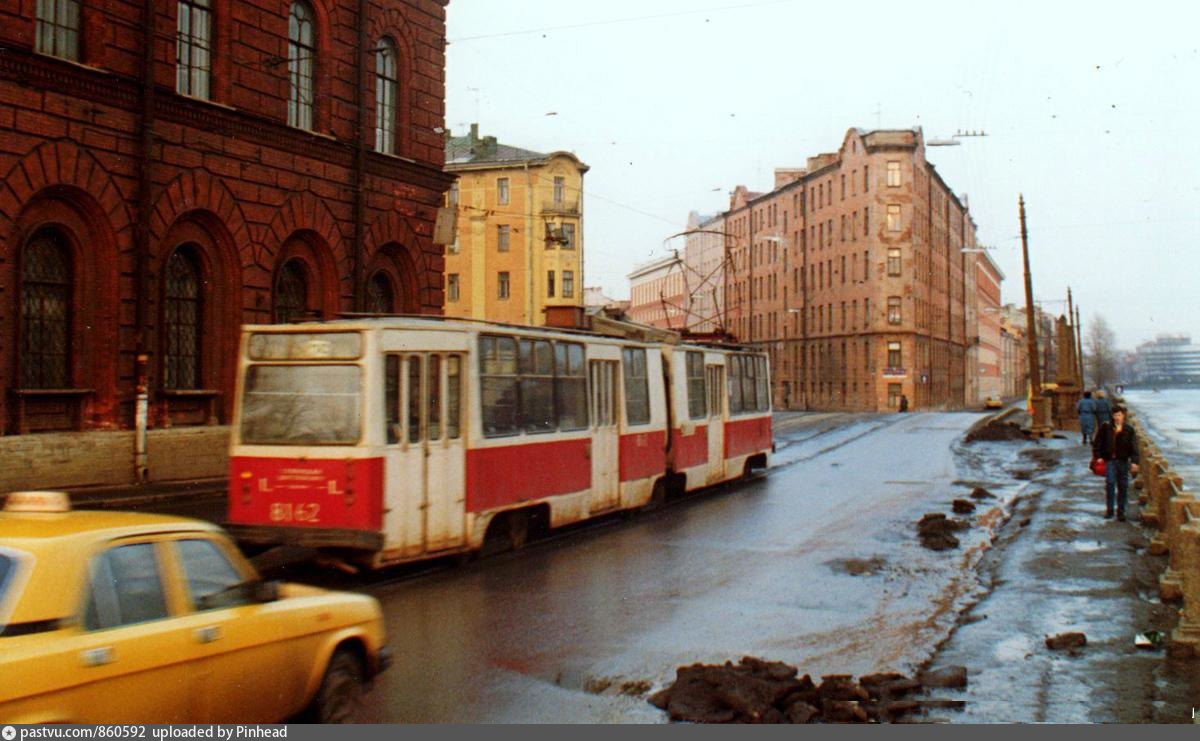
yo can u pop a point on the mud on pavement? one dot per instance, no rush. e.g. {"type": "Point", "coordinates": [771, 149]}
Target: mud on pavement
{"type": "Point", "coordinates": [1052, 640]}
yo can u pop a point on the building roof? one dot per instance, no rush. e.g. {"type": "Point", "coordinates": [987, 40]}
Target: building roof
{"type": "Point", "coordinates": [660, 264]}
{"type": "Point", "coordinates": [472, 149]}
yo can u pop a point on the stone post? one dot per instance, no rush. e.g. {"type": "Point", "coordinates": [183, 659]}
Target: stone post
{"type": "Point", "coordinates": [1170, 584]}
{"type": "Point", "coordinates": [1186, 635]}
{"type": "Point", "coordinates": [1160, 494]}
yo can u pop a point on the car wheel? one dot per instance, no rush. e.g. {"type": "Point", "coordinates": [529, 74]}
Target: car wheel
{"type": "Point", "coordinates": [340, 697]}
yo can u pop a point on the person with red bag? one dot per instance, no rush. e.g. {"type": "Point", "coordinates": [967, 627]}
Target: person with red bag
{"type": "Point", "coordinates": [1115, 444]}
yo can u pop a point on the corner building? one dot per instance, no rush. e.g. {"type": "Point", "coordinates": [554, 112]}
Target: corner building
{"type": "Point", "coordinates": [850, 274]}
{"type": "Point", "coordinates": [169, 175]}
{"type": "Point", "coordinates": [518, 253]}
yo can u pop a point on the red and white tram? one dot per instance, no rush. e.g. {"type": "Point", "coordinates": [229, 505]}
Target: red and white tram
{"type": "Point", "coordinates": [384, 440]}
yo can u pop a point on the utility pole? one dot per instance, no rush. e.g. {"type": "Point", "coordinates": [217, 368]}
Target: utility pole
{"type": "Point", "coordinates": [1040, 405]}
{"type": "Point", "coordinates": [1079, 343]}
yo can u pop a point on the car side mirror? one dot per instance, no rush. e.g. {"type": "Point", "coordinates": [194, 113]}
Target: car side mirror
{"type": "Point", "coordinates": [265, 591]}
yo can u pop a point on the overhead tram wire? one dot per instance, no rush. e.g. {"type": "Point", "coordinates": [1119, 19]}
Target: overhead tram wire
{"type": "Point", "coordinates": [615, 21]}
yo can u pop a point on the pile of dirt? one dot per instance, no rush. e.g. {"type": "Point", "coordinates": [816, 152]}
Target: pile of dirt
{"type": "Point", "coordinates": [962, 507]}
{"type": "Point", "coordinates": [997, 430]}
{"type": "Point", "coordinates": [858, 566]}
{"type": "Point", "coordinates": [1066, 641]}
{"type": "Point", "coordinates": [980, 493]}
{"type": "Point", "coordinates": [934, 531]}
{"type": "Point", "coordinates": [758, 691]}
{"type": "Point", "coordinates": [1046, 459]}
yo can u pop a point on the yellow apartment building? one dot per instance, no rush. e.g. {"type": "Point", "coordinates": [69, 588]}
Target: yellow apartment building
{"type": "Point", "coordinates": [518, 251]}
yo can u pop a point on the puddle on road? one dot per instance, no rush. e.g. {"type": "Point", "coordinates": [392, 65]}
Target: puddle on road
{"type": "Point", "coordinates": [1087, 546]}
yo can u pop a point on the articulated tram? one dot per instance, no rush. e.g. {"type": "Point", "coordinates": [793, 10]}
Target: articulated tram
{"type": "Point", "coordinates": [386, 440]}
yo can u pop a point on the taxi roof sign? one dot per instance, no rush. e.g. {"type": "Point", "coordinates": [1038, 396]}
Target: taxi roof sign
{"type": "Point", "coordinates": [37, 501]}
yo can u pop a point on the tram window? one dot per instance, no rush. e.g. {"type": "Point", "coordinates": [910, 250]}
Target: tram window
{"type": "Point", "coordinates": [749, 376]}
{"type": "Point", "coordinates": [453, 395]}
{"type": "Point", "coordinates": [715, 387]}
{"type": "Point", "coordinates": [637, 386]}
{"type": "Point", "coordinates": [570, 386]}
{"type": "Point", "coordinates": [414, 398]}
{"type": "Point", "coordinates": [762, 388]}
{"type": "Point", "coordinates": [434, 412]}
{"type": "Point", "coordinates": [498, 385]}
{"type": "Point", "coordinates": [391, 392]}
{"type": "Point", "coordinates": [301, 405]}
{"type": "Point", "coordinates": [695, 385]}
{"type": "Point", "coordinates": [734, 371]}
{"type": "Point", "coordinates": [537, 386]}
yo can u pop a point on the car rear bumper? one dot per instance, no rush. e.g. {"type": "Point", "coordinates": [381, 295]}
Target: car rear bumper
{"type": "Point", "coordinates": [309, 537]}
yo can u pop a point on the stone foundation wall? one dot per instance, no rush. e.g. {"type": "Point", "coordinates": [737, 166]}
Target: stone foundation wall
{"type": "Point", "coordinates": [79, 459]}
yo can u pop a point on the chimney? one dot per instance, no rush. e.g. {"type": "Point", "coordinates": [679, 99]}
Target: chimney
{"type": "Point", "coordinates": [474, 133]}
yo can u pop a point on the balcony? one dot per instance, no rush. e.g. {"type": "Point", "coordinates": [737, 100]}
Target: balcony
{"type": "Point", "coordinates": [565, 207]}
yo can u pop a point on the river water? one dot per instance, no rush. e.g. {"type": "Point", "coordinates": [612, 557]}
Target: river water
{"type": "Point", "coordinates": [1172, 419]}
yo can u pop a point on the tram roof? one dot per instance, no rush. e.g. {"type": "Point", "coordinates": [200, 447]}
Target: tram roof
{"type": "Point", "coordinates": [618, 330]}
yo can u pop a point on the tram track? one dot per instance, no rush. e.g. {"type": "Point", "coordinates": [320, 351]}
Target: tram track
{"type": "Point", "coordinates": [384, 579]}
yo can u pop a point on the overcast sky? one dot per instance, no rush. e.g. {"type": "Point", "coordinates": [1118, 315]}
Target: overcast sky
{"type": "Point", "coordinates": [1091, 111]}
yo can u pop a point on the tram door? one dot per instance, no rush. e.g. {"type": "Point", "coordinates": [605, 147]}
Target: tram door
{"type": "Point", "coordinates": [425, 458]}
{"type": "Point", "coordinates": [716, 422]}
{"type": "Point", "coordinates": [606, 483]}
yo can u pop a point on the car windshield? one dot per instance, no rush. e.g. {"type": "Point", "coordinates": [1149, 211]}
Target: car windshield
{"type": "Point", "coordinates": [301, 405]}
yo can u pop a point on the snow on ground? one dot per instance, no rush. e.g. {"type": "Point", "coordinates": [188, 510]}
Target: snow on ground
{"type": "Point", "coordinates": [1059, 566]}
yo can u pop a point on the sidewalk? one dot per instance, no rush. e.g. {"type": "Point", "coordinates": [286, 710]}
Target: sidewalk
{"type": "Point", "coordinates": [200, 498]}
{"type": "Point", "coordinates": [1059, 566]}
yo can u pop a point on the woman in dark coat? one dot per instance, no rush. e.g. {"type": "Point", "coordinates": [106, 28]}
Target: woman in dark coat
{"type": "Point", "coordinates": [1116, 444]}
{"type": "Point", "coordinates": [1087, 416]}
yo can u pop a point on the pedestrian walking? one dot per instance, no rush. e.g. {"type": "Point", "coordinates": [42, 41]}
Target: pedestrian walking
{"type": "Point", "coordinates": [1103, 408]}
{"type": "Point", "coordinates": [1087, 416]}
{"type": "Point", "coordinates": [1116, 444]}
{"type": "Point", "coordinates": [903, 403]}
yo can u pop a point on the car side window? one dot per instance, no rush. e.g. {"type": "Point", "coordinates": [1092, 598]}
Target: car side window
{"type": "Point", "coordinates": [212, 580]}
{"type": "Point", "coordinates": [126, 588]}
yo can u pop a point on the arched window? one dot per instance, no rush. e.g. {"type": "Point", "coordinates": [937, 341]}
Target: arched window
{"type": "Point", "coordinates": [381, 299]}
{"type": "Point", "coordinates": [302, 53]}
{"type": "Point", "coordinates": [46, 277]}
{"type": "Point", "coordinates": [182, 322]}
{"type": "Point", "coordinates": [387, 86]}
{"type": "Point", "coordinates": [291, 292]}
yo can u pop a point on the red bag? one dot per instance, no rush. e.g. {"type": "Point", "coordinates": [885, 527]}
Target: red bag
{"type": "Point", "coordinates": [1099, 467]}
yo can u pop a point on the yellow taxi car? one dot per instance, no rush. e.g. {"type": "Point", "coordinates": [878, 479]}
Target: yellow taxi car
{"type": "Point", "coordinates": [119, 617]}
{"type": "Point", "coordinates": [993, 402]}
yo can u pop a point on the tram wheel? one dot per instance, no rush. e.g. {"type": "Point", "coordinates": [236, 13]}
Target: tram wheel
{"type": "Point", "coordinates": [508, 531]}
{"type": "Point", "coordinates": [518, 529]}
{"type": "Point", "coordinates": [658, 496]}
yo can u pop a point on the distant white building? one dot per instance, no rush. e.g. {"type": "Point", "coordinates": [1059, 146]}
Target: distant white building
{"type": "Point", "coordinates": [1170, 360]}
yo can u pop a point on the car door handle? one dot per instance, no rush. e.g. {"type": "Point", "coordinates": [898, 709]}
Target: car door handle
{"type": "Point", "coordinates": [208, 634]}
{"type": "Point", "coordinates": [98, 656]}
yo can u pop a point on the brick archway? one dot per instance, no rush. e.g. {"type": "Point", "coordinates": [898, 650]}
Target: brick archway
{"type": "Point", "coordinates": [390, 240]}
{"type": "Point", "coordinates": [199, 191]}
{"type": "Point", "coordinates": [62, 163]}
{"type": "Point", "coordinates": [59, 185]}
{"type": "Point", "coordinates": [306, 212]}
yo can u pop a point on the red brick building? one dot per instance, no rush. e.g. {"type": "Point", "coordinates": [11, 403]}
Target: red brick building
{"type": "Point", "coordinates": [173, 169]}
{"type": "Point", "coordinates": [850, 274]}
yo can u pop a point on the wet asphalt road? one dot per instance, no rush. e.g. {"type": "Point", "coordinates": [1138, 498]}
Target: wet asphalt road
{"type": "Point", "coordinates": [550, 634]}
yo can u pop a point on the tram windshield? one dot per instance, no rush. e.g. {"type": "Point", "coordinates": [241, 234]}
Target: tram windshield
{"type": "Point", "coordinates": [302, 405]}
